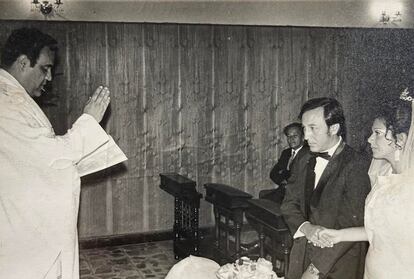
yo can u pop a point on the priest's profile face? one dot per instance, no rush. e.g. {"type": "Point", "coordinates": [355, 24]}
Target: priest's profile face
{"type": "Point", "coordinates": [35, 78]}
{"type": "Point", "coordinates": [319, 135]}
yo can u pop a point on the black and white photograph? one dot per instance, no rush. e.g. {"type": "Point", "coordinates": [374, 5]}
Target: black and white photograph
{"type": "Point", "coordinates": [206, 139]}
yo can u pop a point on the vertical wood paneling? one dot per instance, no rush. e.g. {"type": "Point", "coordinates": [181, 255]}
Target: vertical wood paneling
{"type": "Point", "coordinates": [126, 82]}
{"type": "Point", "coordinates": [209, 102]}
{"type": "Point", "coordinates": [321, 63]}
{"type": "Point", "coordinates": [163, 118]}
{"type": "Point", "coordinates": [292, 73]}
{"type": "Point", "coordinates": [195, 86]}
{"type": "Point", "coordinates": [262, 136]}
{"type": "Point", "coordinates": [87, 54]}
{"type": "Point", "coordinates": [228, 88]}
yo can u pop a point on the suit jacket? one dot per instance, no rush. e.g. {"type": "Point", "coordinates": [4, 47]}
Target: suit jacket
{"type": "Point", "coordinates": [279, 172]}
{"type": "Point", "coordinates": [336, 202]}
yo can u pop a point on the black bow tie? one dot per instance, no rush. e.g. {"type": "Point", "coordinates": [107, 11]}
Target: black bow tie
{"type": "Point", "coordinates": [324, 155]}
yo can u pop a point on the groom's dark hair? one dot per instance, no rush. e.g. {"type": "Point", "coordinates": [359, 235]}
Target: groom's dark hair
{"type": "Point", "coordinates": [332, 111]}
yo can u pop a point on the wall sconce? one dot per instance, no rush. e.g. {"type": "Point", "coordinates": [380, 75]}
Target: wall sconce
{"type": "Point", "coordinates": [387, 11]}
{"type": "Point", "coordinates": [385, 18]}
{"type": "Point", "coordinates": [47, 7]}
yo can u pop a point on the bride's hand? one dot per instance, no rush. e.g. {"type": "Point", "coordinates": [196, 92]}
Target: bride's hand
{"type": "Point", "coordinates": [331, 236]}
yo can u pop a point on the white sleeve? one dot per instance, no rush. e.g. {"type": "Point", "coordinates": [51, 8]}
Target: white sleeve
{"type": "Point", "coordinates": [85, 136]}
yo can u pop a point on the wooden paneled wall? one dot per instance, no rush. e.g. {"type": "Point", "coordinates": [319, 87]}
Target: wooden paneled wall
{"type": "Point", "coordinates": [209, 102]}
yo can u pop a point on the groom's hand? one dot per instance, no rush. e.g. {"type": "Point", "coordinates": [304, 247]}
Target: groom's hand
{"type": "Point", "coordinates": [311, 273]}
{"type": "Point", "coordinates": [311, 233]}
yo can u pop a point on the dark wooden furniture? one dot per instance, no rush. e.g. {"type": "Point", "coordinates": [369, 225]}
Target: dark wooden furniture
{"type": "Point", "coordinates": [265, 217]}
{"type": "Point", "coordinates": [186, 209]}
{"type": "Point", "coordinates": [229, 205]}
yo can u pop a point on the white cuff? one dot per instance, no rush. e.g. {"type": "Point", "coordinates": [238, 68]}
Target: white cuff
{"type": "Point", "coordinates": [298, 233]}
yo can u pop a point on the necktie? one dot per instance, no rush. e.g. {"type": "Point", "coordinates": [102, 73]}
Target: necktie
{"type": "Point", "coordinates": [292, 156]}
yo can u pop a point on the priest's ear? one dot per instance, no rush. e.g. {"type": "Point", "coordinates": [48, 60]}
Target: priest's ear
{"type": "Point", "coordinates": [22, 62]}
{"type": "Point", "coordinates": [334, 129]}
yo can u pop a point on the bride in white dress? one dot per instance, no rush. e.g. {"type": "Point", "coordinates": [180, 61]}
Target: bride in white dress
{"type": "Point", "coordinates": [389, 208]}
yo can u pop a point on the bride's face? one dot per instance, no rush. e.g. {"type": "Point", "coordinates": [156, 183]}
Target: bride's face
{"type": "Point", "coordinates": [382, 142]}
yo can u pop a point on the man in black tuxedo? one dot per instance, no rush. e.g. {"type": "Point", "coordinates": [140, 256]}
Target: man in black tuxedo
{"type": "Point", "coordinates": [281, 170]}
{"type": "Point", "coordinates": [327, 188]}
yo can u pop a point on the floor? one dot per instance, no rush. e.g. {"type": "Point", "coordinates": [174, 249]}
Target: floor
{"type": "Point", "coordinates": [136, 261]}
{"type": "Point", "coordinates": [141, 261]}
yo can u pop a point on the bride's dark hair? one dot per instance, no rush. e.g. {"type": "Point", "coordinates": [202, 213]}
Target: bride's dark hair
{"type": "Point", "coordinates": [396, 117]}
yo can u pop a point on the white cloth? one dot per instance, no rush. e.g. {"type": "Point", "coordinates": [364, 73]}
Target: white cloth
{"type": "Point", "coordinates": [389, 221]}
{"type": "Point", "coordinates": [389, 224]}
{"type": "Point", "coordinates": [40, 186]}
{"type": "Point", "coordinates": [202, 268]}
{"type": "Point", "coordinates": [245, 268]}
{"type": "Point", "coordinates": [194, 267]}
{"type": "Point", "coordinates": [378, 167]}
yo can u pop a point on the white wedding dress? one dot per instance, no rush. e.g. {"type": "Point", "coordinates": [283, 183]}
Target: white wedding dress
{"type": "Point", "coordinates": [389, 218]}
{"type": "Point", "coordinates": [389, 223]}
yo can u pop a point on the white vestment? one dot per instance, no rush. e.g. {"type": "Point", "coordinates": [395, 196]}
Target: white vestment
{"type": "Point", "coordinates": [40, 185]}
{"type": "Point", "coordinates": [194, 267]}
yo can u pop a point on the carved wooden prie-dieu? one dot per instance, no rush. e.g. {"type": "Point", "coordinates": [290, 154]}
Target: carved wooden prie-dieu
{"type": "Point", "coordinates": [265, 217]}
{"type": "Point", "coordinates": [229, 206]}
{"type": "Point", "coordinates": [186, 209]}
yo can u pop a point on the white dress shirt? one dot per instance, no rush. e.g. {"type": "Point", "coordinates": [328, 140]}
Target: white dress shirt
{"type": "Point", "coordinates": [321, 163]}
{"type": "Point", "coordinates": [296, 151]}
{"type": "Point", "coordinates": [292, 156]}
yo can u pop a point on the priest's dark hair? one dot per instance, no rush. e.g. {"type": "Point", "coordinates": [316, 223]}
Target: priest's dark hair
{"type": "Point", "coordinates": [25, 41]}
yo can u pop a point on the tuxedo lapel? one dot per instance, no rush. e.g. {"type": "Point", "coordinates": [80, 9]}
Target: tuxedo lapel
{"type": "Point", "coordinates": [309, 182]}
{"type": "Point", "coordinates": [328, 174]}
{"type": "Point", "coordinates": [286, 156]}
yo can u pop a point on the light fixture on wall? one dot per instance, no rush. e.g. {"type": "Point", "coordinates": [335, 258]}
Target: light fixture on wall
{"type": "Point", "coordinates": [387, 11]}
{"type": "Point", "coordinates": [47, 8]}
{"type": "Point", "coordinates": [386, 18]}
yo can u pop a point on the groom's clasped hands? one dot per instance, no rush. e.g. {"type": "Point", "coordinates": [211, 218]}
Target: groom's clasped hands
{"type": "Point", "coordinates": [320, 236]}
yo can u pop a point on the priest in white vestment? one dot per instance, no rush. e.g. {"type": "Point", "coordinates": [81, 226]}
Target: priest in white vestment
{"type": "Point", "coordinates": [39, 171]}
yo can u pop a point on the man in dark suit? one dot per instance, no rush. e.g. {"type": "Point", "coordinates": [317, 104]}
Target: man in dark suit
{"type": "Point", "coordinates": [327, 188]}
{"type": "Point", "coordinates": [281, 170]}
